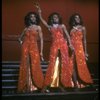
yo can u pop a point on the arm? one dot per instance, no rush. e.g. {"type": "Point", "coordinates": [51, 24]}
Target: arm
{"type": "Point", "coordinates": [68, 37]}
{"type": "Point", "coordinates": [41, 41]}
{"type": "Point", "coordinates": [85, 43]}
{"type": "Point", "coordinates": [21, 36]}
{"type": "Point", "coordinates": [39, 11]}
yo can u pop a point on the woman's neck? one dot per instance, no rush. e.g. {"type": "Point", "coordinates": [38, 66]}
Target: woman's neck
{"type": "Point", "coordinates": [77, 27]}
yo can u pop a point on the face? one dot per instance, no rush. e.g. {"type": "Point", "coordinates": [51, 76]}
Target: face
{"type": "Point", "coordinates": [55, 18]}
{"type": "Point", "coordinates": [77, 19]}
{"type": "Point", "coordinates": [33, 18]}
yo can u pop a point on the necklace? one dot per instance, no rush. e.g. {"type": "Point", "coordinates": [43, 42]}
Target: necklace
{"type": "Point", "coordinates": [55, 25]}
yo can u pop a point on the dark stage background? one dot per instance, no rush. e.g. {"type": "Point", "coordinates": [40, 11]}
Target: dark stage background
{"type": "Point", "coordinates": [13, 12]}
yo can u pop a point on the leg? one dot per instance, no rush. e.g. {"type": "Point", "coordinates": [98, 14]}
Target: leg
{"type": "Point", "coordinates": [60, 63]}
{"type": "Point", "coordinates": [74, 77]}
{"type": "Point", "coordinates": [45, 90]}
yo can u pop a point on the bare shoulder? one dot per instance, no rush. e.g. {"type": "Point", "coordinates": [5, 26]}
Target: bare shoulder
{"type": "Point", "coordinates": [25, 29]}
{"type": "Point", "coordinates": [39, 28]}
{"type": "Point", "coordinates": [63, 25]}
{"type": "Point", "coordinates": [83, 27]}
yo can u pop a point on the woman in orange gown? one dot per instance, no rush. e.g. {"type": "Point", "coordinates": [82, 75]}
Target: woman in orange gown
{"type": "Point", "coordinates": [58, 72]}
{"type": "Point", "coordinates": [30, 73]}
{"type": "Point", "coordinates": [81, 74]}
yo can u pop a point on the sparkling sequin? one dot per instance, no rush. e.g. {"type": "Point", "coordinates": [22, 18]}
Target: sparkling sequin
{"type": "Point", "coordinates": [30, 73]}
{"type": "Point", "coordinates": [83, 72]}
{"type": "Point", "coordinates": [59, 43]}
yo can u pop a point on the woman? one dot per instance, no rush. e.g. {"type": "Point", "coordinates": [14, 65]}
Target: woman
{"type": "Point", "coordinates": [58, 72]}
{"type": "Point", "coordinates": [81, 74]}
{"type": "Point", "coordinates": [30, 74]}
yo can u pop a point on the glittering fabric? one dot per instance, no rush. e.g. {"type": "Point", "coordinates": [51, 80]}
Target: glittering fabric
{"type": "Point", "coordinates": [30, 69]}
{"type": "Point", "coordinates": [55, 81]}
{"type": "Point", "coordinates": [60, 43]}
{"type": "Point", "coordinates": [83, 72]}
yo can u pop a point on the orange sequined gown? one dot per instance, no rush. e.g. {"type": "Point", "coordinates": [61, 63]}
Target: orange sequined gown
{"type": "Point", "coordinates": [30, 73]}
{"type": "Point", "coordinates": [82, 69]}
{"type": "Point", "coordinates": [58, 43]}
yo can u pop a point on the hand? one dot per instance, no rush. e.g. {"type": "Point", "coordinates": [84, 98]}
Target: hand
{"type": "Point", "coordinates": [42, 59]}
{"type": "Point", "coordinates": [71, 47]}
{"type": "Point", "coordinates": [36, 4]}
{"type": "Point", "coordinates": [86, 56]}
{"type": "Point", "coordinates": [20, 41]}
{"type": "Point", "coordinates": [41, 55]}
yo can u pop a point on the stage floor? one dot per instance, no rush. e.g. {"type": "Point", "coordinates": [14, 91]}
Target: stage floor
{"type": "Point", "coordinates": [82, 94]}
{"type": "Point", "coordinates": [10, 80]}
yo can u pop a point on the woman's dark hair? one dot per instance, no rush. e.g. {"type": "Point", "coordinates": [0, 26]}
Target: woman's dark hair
{"type": "Point", "coordinates": [27, 19]}
{"type": "Point", "coordinates": [50, 18]}
{"type": "Point", "coordinates": [72, 21]}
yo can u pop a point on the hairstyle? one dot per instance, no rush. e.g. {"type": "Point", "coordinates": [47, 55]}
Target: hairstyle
{"type": "Point", "coordinates": [50, 18]}
{"type": "Point", "coordinates": [27, 19]}
{"type": "Point", "coordinates": [72, 21]}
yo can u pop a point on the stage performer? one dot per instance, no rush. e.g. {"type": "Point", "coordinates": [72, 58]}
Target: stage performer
{"type": "Point", "coordinates": [30, 74]}
{"type": "Point", "coordinates": [81, 74]}
{"type": "Point", "coordinates": [59, 70]}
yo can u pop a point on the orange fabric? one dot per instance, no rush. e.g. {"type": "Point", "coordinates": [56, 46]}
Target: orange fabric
{"type": "Point", "coordinates": [83, 72]}
{"type": "Point", "coordinates": [30, 47]}
{"type": "Point", "coordinates": [59, 42]}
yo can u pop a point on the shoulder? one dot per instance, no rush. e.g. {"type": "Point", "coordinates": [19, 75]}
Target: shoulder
{"type": "Point", "coordinates": [63, 26]}
{"type": "Point", "coordinates": [39, 27]}
{"type": "Point", "coordinates": [83, 27]}
{"type": "Point", "coordinates": [25, 29]}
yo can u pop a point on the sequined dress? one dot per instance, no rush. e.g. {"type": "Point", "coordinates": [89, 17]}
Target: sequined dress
{"type": "Point", "coordinates": [82, 69]}
{"type": "Point", "coordinates": [30, 73]}
{"type": "Point", "coordinates": [56, 76]}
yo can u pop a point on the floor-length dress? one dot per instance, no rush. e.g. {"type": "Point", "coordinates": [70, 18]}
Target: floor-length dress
{"type": "Point", "coordinates": [30, 73]}
{"type": "Point", "coordinates": [55, 75]}
{"type": "Point", "coordinates": [82, 68]}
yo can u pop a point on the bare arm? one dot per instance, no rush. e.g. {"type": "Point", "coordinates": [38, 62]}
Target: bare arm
{"type": "Point", "coordinates": [41, 18]}
{"type": "Point", "coordinates": [68, 37]}
{"type": "Point", "coordinates": [21, 36]}
{"type": "Point", "coordinates": [41, 41]}
{"type": "Point", "coordinates": [85, 43]}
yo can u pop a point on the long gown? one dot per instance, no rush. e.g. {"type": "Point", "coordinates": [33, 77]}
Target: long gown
{"type": "Point", "coordinates": [30, 73]}
{"type": "Point", "coordinates": [82, 69]}
{"type": "Point", "coordinates": [58, 71]}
